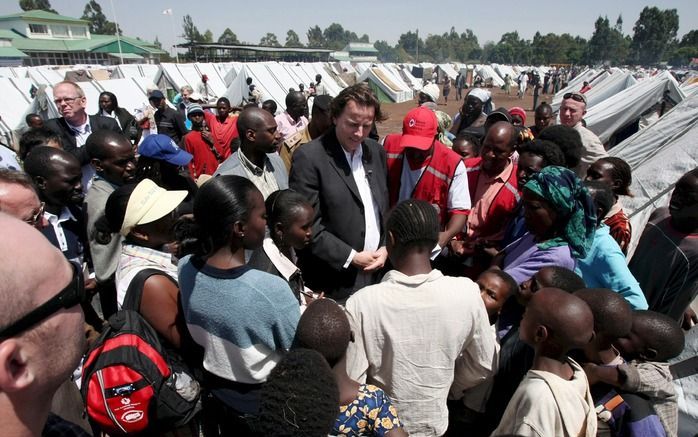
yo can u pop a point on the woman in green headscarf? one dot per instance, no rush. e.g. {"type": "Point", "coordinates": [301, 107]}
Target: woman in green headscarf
{"type": "Point", "coordinates": [560, 217]}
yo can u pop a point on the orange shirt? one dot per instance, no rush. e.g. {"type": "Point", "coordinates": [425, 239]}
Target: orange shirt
{"type": "Point", "coordinates": [485, 193]}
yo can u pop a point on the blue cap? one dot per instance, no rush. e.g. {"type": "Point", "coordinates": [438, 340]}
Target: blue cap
{"type": "Point", "coordinates": [163, 148]}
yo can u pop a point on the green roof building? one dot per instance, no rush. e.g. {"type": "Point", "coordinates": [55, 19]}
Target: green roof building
{"type": "Point", "coordinates": [44, 38]}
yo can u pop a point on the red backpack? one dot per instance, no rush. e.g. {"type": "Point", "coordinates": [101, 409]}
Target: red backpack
{"type": "Point", "coordinates": [130, 383]}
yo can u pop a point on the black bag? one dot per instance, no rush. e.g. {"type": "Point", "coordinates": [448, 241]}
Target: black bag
{"type": "Point", "coordinates": [130, 383]}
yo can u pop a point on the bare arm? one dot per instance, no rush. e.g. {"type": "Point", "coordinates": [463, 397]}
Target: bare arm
{"type": "Point", "coordinates": [159, 307]}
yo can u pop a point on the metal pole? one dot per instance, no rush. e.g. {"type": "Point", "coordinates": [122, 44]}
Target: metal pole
{"type": "Point", "coordinates": [118, 37]}
{"type": "Point", "coordinates": [174, 38]}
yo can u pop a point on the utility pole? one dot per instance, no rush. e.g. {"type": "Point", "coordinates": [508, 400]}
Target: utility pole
{"type": "Point", "coordinates": [118, 37]}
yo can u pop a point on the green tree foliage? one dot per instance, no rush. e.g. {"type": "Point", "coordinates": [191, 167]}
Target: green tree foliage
{"type": "Point", "coordinates": [269, 40]}
{"type": "Point", "coordinates": [191, 33]}
{"type": "Point", "coordinates": [33, 5]}
{"type": "Point", "coordinates": [315, 37]}
{"type": "Point", "coordinates": [228, 37]}
{"type": "Point", "coordinates": [336, 37]}
{"type": "Point", "coordinates": [607, 45]}
{"type": "Point", "coordinates": [681, 52]}
{"type": "Point", "coordinates": [207, 37]}
{"type": "Point", "coordinates": [409, 42]}
{"type": "Point", "coordinates": [653, 32]}
{"type": "Point", "coordinates": [556, 49]}
{"type": "Point", "coordinates": [386, 52]}
{"type": "Point", "coordinates": [292, 39]}
{"type": "Point", "coordinates": [365, 38]}
{"type": "Point", "coordinates": [99, 24]}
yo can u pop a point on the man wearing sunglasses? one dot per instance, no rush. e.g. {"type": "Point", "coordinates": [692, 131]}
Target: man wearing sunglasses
{"type": "Point", "coordinates": [572, 110]}
{"type": "Point", "coordinates": [18, 198]}
{"type": "Point", "coordinates": [41, 327]}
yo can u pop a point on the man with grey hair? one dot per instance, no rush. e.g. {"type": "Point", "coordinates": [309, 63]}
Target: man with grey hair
{"type": "Point", "coordinates": [41, 328]}
{"type": "Point", "coordinates": [19, 199]}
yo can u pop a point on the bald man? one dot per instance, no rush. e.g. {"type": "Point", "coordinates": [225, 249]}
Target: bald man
{"type": "Point", "coordinates": [493, 189]}
{"type": "Point", "coordinates": [256, 159]}
{"type": "Point", "coordinates": [38, 356]}
{"type": "Point", "coordinates": [18, 198]}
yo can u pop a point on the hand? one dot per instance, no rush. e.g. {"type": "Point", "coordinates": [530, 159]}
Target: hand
{"type": "Point", "coordinates": [206, 135]}
{"type": "Point", "coordinates": [592, 374]}
{"type": "Point", "coordinates": [689, 319]}
{"type": "Point", "coordinates": [363, 259]}
{"type": "Point", "coordinates": [91, 286]}
{"type": "Point", "coordinates": [379, 261]}
{"type": "Point", "coordinates": [444, 239]}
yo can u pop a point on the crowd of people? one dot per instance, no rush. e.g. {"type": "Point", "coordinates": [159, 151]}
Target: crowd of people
{"type": "Point", "coordinates": [303, 276]}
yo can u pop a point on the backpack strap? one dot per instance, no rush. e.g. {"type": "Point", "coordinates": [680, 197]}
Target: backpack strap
{"type": "Point", "coordinates": [134, 293]}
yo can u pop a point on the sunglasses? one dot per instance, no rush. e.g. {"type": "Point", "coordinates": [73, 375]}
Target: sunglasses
{"type": "Point", "coordinates": [36, 216]}
{"type": "Point", "coordinates": [71, 295]}
{"type": "Point", "coordinates": [575, 96]}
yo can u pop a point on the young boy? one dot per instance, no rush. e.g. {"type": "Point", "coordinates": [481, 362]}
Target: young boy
{"type": "Point", "coordinates": [553, 399]}
{"type": "Point", "coordinates": [495, 288]}
{"type": "Point", "coordinates": [653, 339]}
{"type": "Point", "coordinates": [364, 409]}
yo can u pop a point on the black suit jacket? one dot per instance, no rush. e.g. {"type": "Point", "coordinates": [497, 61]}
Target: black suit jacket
{"type": "Point", "coordinates": [61, 128]}
{"type": "Point", "coordinates": [321, 173]}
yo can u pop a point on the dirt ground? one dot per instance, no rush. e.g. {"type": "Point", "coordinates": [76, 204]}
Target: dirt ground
{"type": "Point", "coordinates": [397, 111]}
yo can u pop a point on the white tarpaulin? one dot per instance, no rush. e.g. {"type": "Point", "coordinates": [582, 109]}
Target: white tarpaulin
{"type": "Point", "coordinates": [448, 71]}
{"type": "Point", "coordinates": [619, 110]}
{"type": "Point", "coordinates": [16, 100]}
{"type": "Point", "coordinates": [658, 156]}
{"type": "Point", "coordinates": [487, 72]}
{"type": "Point", "coordinates": [607, 84]}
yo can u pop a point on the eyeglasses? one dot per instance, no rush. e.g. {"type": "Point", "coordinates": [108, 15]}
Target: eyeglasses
{"type": "Point", "coordinates": [575, 96]}
{"type": "Point", "coordinates": [71, 295]}
{"type": "Point", "coordinates": [68, 100]}
{"type": "Point", "coordinates": [36, 216]}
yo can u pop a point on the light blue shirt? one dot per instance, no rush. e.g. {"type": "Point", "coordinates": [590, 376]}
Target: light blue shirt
{"type": "Point", "coordinates": [605, 266]}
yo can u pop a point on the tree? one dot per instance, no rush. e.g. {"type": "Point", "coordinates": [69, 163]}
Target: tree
{"type": "Point", "coordinates": [315, 37]}
{"type": "Point", "coordinates": [292, 39]}
{"type": "Point", "coordinates": [228, 37]}
{"type": "Point", "coordinates": [681, 53]}
{"type": "Point", "coordinates": [99, 25]}
{"type": "Point", "coordinates": [607, 44]}
{"type": "Point", "coordinates": [386, 52]}
{"type": "Point", "coordinates": [33, 5]}
{"type": "Point", "coordinates": [207, 37]}
{"type": "Point", "coordinates": [269, 40]}
{"type": "Point", "coordinates": [365, 38]}
{"type": "Point", "coordinates": [191, 33]}
{"type": "Point", "coordinates": [334, 36]}
{"type": "Point", "coordinates": [653, 32]}
{"type": "Point", "coordinates": [410, 42]}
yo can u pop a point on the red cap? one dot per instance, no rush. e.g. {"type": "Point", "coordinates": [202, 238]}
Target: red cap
{"type": "Point", "coordinates": [419, 128]}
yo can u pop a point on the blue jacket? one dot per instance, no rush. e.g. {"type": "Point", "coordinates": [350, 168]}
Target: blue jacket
{"type": "Point", "coordinates": [605, 266]}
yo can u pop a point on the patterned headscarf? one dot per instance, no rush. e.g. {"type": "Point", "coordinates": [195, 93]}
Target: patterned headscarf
{"type": "Point", "coordinates": [564, 191]}
{"type": "Point", "coordinates": [444, 124]}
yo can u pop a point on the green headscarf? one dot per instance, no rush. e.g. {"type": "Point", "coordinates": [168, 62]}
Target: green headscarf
{"type": "Point", "coordinates": [568, 196]}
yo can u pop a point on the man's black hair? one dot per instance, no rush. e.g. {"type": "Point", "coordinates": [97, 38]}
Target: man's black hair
{"type": "Point", "coordinates": [223, 100]}
{"type": "Point", "coordinates": [568, 140]}
{"type": "Point", "coordinates": [549, 151]}
{"type": "Point", "coordinates": [36, 137]}
{"type": "Point", "coordinates": [613, 315]}
{"type": "Point", "coordinates": [659, 332]}
{"type": "Point", "coordinates": [97, 143]}
{"type": "Point", "coordinates": [29, 117]}
{"type": "Point", "coordinates": [475, 141]}
{"type": "Point", "coordinates": [39, 162]}
{"type": "Point", "coordinates": [324, 327]}
{"type": "Point", "coordinates": [565, 279]}
{"type": "Point", "coordinates": [414, 223]}
{"type": "Point", "coordinates": [300, 397]}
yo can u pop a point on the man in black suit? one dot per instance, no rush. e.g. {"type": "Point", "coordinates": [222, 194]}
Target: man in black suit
{"type": "Point", "coordinates": [75, 125]}
{"type": "Point", "coordinates": [343, 173]}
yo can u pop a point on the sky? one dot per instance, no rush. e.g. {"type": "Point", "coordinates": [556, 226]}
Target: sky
{"type": "Point", "coordinates": [380, 19]}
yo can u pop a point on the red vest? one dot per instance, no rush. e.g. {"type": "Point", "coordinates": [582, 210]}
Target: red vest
{"type": "Point", "coordinates": [435, 181]}
{"type": "Point", "coordinates": [503, 206]}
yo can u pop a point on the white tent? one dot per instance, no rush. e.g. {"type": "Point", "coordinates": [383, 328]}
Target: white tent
{"type": "Point", "coordinates": [216, 82]}
{"type": "Point", "coordinates": [384, 81]}
{"type": "Point", "coordinates": [15, 95]}
{"type": "Point", "coordinates": [576, 83]}
{"type": "Point", "coordinates": [263, 80]}
{"type": "Point", "coordinates": [487, 72]}
{"type": "Point", "coordinates": [658, 156]}
{"type": "Point", "coordinates": [448, 70]}
{"type": "Point", "coordinates": [607, 117]}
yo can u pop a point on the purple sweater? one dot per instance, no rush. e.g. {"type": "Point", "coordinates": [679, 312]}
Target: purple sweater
{"type": "Point", "coordinates": [523, 258]}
